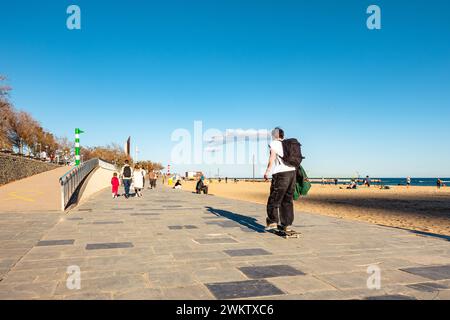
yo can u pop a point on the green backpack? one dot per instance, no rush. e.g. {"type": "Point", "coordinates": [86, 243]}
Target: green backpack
{"type": "Point", "coordinates": [302, 185]}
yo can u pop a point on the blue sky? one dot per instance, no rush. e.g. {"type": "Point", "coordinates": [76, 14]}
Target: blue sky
{"type": "Point", "coordinates": [373, 102]}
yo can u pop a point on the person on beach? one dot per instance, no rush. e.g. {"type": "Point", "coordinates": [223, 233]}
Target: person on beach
{"type": "Point", "coordinates": [178, 185]}
{"type": "Point", "coordinates": [408, 182]}
{"type": "Point", "coordinates": [367, 181]}
{"type": "Point", "coordinates": [115, 185]}
{"type": "Point", "coordinates": [126, 175]}
{"type": "Point", "coordinates": [138, 181]}
{"type": "Point", "coordinates": [280, 205]}
{"type": "Point", "coordinates": [201, 186]}
{"type": "Point", "coordinates": [438, 183]}
{"type": "Point", "coordinates": [353, 184]}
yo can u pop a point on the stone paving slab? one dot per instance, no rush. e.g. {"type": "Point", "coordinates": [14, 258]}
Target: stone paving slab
{"type": "Point", "coordinates": [110, 245]}
{"type": "Point", "coordinates": [243, 289]}
{"type": "Point", "coordinates": [180, 245]}
{"type": "Point", "coordinates": [431, 272]}
{"type": "Point", "coordinates": [46, 243]}
{"type": "Point", "coordinates": [428, 286]}
{"type": "Point", "coordinates": [247, 252]}
{"type": "Point", "coordinates": [301, 284]}
{"type": "Point", "coordinates": [272, 271]}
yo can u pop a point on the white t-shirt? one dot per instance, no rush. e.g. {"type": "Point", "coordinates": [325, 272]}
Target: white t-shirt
{"type": "Point", "coordinates": [278, 165]}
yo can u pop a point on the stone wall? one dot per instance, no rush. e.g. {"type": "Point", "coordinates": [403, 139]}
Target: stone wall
{"type": "Point", "coordinates": [14, 168]}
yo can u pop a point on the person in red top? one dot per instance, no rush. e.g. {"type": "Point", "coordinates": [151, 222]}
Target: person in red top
{"type": "Point", "coordinates": [115, 185]}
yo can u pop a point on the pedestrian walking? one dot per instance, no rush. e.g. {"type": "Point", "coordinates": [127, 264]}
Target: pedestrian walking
{"type": "Point", "coordinates": [126, 175]}
{"type": "Point", "coordinates": [138, 181]}
{"type": "Point", "coordinates": [115, 185]}
{"type": "Point", "coordinates": [152, 177]}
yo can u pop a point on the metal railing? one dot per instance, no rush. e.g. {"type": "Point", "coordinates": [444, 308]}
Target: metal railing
{"type": "Point", "coordinates": [106, 165]}
{"type": "Point", "coordinates": [72, 179]}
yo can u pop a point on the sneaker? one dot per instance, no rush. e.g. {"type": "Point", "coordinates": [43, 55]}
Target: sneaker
{"type": "Point", "coordinates": [285, 229]}
{"type": "Point", "coordinates": [271, 226]}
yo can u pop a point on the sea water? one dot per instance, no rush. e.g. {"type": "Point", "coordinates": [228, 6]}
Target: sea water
{"type": "Point", "coordinates": [424, 182]}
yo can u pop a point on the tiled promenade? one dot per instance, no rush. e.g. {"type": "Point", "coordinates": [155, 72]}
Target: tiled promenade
{"type": "Point", "coordinates": [178, 245]}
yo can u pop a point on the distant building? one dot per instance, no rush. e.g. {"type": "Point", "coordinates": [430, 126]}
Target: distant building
{"type": "Point", "coordinates": [193, 175]}
{"type": "Point", "coordinates": [127, 147]}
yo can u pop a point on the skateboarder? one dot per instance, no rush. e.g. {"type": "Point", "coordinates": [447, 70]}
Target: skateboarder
{"type": "Point", "coordinates": [285, 158]}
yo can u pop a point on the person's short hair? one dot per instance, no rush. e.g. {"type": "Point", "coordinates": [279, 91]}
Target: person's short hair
{"type": "Point", "coordinates": [278, 133]}
{"type": "Point", "coordinates": [115, 174]}
{"type": "Point", "coordinates": [126, 162]}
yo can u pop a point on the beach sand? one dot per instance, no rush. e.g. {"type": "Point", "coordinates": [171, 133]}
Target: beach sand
{"type": "Point", "coordinates": [418, 208]}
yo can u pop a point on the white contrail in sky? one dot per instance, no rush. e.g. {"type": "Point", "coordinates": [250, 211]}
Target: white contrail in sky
{"type": "Point", "coordinates": [239, 134]}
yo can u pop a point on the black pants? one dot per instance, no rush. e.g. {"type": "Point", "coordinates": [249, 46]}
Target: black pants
{"type": "Point", "coordinates": [203, 189]}
{"type": "Point", "coordinates": [280, 206]}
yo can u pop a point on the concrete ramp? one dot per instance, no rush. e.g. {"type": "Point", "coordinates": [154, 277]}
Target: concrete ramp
{"type": "Point", "coordinates": [99, 180]}
{"type": "Point", "coordinates": [40, 192]}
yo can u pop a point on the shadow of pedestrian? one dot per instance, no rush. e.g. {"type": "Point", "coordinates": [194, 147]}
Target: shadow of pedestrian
{"type": "Point", "coordinates": [245, 221]}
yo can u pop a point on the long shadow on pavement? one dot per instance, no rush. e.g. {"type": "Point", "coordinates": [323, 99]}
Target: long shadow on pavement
{"type": "Point", "coordinates": [248, 222]}
{"type": "Point", "coordinates": [421, 233]}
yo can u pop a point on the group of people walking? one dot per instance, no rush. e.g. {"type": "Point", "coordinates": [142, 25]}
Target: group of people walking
{"type": "Point", "coordinates": [132, 178]}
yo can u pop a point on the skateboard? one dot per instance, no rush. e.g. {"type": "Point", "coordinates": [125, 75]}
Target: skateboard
{"type": "Point", "coordinates": [286, 234]}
